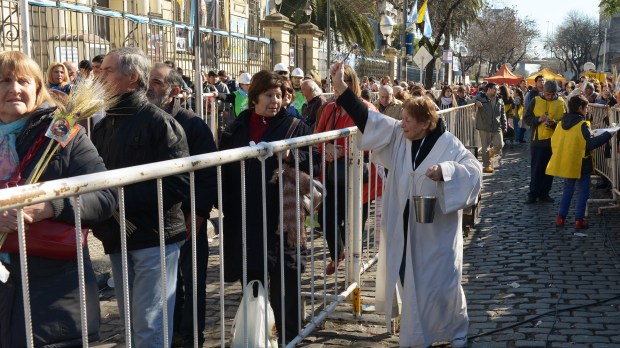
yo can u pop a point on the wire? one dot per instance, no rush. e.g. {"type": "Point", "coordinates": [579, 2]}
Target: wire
{"type": "Point", "coordinates": [556, 311]}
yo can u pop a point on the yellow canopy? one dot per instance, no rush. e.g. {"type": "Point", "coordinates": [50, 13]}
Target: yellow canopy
{"type": "Point", "coordinates": [549, 76]}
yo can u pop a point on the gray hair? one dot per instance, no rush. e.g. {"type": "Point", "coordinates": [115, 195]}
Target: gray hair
{"type": "Point", "coordinates": [387, 88]}
{"type": "Point", "coordinates": [550, 87]}
{"type": "Point", "coordinates": [132, 59]}
{"type": "Point", "coordinates": [589, 85]}
{"type": "Point", "coordinates": [316, 90]}
{"type": "Point", "coordinates": [173, 79]}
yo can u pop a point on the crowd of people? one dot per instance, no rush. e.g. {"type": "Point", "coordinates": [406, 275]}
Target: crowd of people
{"type": "Point", "coordinates": [152, 120]}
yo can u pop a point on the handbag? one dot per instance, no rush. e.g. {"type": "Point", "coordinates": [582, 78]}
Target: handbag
{"type": "Point", "coordinates": [46, 238]}
{"type": "Point", "coordinates": [254, 315]}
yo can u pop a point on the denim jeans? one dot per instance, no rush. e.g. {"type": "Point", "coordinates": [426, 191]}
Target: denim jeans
{"type": "Point", "coordinates": [145, 297]}
{"type": "Point", "coordinates": [583, 192]}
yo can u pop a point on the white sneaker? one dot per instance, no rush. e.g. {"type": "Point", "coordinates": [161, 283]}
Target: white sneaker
{"type": "Point", "coordinates": [459, 342]}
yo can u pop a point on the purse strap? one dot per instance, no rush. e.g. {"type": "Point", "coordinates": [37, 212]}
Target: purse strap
{"type": "Point", "coordinates": [291, 128]}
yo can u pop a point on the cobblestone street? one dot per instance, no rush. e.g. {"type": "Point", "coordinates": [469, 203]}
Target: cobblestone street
{"type": "Point", "coordinates": [527, 283]}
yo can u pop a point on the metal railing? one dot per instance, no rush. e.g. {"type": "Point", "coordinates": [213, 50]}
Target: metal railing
{"type": "Point", "coordinates": [324, 294]}
{"type": "Point", "coordinates": [606, 157]}
{"type": "Point", "coordinates": [461, 121]}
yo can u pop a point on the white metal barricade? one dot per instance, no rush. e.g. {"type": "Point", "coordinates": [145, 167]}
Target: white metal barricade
{"type": "Point", "coordinates": [606, 158]}
{"type": "Point", "coordinates": [324, 293]}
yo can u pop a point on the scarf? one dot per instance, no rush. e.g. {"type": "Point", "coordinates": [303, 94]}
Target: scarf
{"type": "Point", "coordinates": [446, 100]}
{"type": "Point", "coordinates": [9, 160]}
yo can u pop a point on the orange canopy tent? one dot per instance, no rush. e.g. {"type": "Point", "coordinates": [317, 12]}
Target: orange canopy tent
{"type": "Point", "coordinates": [547, 74]}
{"type": "Point", "coordinates": [504, 75]}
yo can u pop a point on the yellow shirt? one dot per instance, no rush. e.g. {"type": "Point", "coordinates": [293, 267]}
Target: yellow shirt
{"type": "Point", "coordinates": [568, 148]}
{"type": "Point", "coordinates": [554, 109]}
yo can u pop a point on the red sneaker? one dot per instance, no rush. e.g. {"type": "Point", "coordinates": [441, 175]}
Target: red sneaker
{"type": "Point", "coordinates": [559, 221]}
{"type": "Point", "coordinates": [581, 224]}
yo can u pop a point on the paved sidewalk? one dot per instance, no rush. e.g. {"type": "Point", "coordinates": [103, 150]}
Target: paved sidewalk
{"type": "Point", "coordinates": [527, 283]}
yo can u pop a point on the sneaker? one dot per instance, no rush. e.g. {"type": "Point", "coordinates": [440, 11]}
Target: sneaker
{"type": "Point", "coordinates": [487, 169]}
{"type": "Point", "coordinates": [547, 199]}
{"type": "Point", "coordinates": [559, 221]}
{"type": "Point", "coordinates": [459, 342]}
{"type": "Point", "coordinates": [581, 224]}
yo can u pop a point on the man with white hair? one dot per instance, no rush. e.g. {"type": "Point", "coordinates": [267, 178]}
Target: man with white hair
{"type": "Point", "coordinates": [136, 132]}
{"type": "Point", "coordinates": [314, 101]}
{"type": "Point", "coordinates": [387, 104]}
{"type": "Point", "coordinates": [71, 69]}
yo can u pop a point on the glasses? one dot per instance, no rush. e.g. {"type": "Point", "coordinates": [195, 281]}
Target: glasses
{"type": "Point", "coordinates": [283, 73]}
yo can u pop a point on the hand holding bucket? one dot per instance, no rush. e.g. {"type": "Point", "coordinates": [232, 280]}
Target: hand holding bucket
{"type": "Point", "coordinates": [424, 206]}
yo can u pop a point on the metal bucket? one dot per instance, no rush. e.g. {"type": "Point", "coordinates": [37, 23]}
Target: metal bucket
{"type": "Point", "coordinates": [424, 207]}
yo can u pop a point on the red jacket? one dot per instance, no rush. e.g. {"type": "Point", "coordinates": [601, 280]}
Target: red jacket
{"type": "Point", "coordinates": [342, 120]}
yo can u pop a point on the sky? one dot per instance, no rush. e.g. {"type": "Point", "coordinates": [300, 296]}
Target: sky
{"type": "Point", "coordinates": [548, 14]}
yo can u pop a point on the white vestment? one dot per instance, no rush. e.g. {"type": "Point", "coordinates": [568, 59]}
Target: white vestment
{"type": "Point", "coordinates": [434, 307]}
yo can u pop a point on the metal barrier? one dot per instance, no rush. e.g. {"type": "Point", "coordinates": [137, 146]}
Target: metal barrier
{"type": "Point", "coordinates": [606, 158]}
{"type": "Point", "coordinates": [323, 294]}
{"type": "Point", "coordinates": [461, 121]}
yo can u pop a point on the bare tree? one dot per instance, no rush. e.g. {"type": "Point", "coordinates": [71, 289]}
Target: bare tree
{"type": "Point", "coordinates": [573, 43]}
{"type": "Point", "coordinates": [499, 36]}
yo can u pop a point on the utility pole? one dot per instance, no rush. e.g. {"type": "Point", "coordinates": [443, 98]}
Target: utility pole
{"type": "Point", "coordinates": [403, 43]}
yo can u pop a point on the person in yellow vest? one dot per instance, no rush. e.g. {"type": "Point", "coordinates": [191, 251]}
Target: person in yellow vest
{"type": "Point", "coordinates": [298, 101]}
{"type": "Point", "coordinates": [238, 98]}
{"type": "Point", "coordinates": [571, 145]}
{"type": "Point", "coordinates": [542, 115]}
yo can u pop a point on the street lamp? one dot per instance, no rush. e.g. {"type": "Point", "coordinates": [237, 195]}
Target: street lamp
{"type": "Point", "coordinates": [278, 4]}
{"type": "Point", "coordinates": [308, 11]}
{"type": "Point", "coordinates": [386, 26]}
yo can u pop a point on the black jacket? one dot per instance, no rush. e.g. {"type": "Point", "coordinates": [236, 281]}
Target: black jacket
{"type": "Point", "coordinates": [569, 120]}
{"type": "Point", "coordinates": [136, 132]}
{"type": "Point", "coordinates": [54, 289]}
{"type": "Point", "coordinates": [237, 135]}
{"type": "Point", "coordinates": [200, 141]}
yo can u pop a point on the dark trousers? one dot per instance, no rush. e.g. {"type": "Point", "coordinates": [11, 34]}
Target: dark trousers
{"type": "Point", "coordinates": [291, 300]}
{"type": "Point", "coordinates": [335, 214]}
{"type": "Point", "coordinates": [540, 183]}
{"type": "Point", "coordinates": [184, 306]}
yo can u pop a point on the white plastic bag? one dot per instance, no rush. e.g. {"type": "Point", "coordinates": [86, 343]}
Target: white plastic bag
{"type": "Point", "coordinates": [255, 320]}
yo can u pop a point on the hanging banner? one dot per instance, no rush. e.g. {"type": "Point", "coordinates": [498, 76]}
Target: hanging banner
{"type": "Point", "coordinates": [409, 44]}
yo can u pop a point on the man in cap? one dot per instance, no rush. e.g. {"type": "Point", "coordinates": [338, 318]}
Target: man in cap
{"type": "Point", "coordinates": [239, 98]}
{"type": "Point", "coordinates": [281, 69]}
{"type": "Point", "coordinates": [542, 115]}
{"type": "Point", "coordinates": [296, 78]}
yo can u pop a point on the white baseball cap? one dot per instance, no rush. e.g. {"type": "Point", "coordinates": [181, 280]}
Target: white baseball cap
{"type": "Point", "coordinates": [245, 78]}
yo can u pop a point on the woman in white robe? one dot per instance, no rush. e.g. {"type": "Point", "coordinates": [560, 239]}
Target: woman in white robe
{"type": "Point", "coordinates": [426, 258]}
